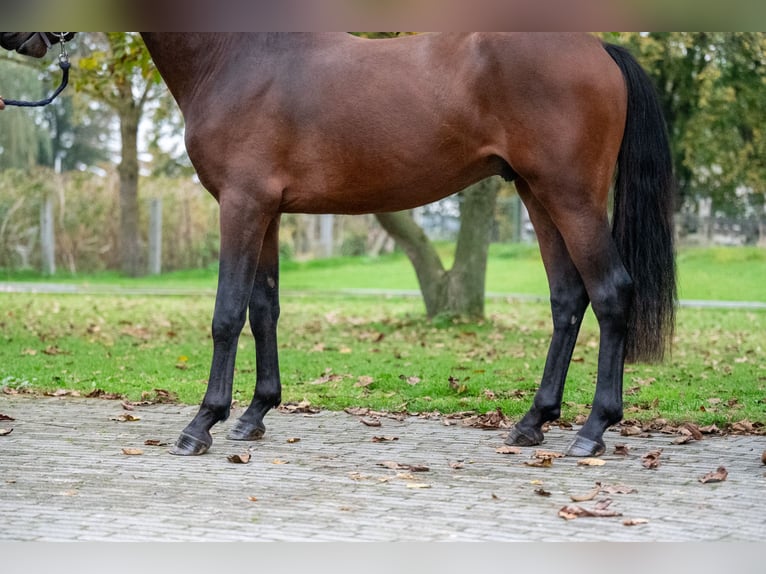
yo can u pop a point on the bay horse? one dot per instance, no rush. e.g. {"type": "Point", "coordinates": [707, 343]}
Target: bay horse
{"type": "Point", "coordinates": [332, 123]}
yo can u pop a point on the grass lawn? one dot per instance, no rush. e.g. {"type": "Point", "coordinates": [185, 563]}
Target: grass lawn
{"type": "Point", "coordinates": [735, 274]}
{"type": "Point", "coordinates": [339, 351]}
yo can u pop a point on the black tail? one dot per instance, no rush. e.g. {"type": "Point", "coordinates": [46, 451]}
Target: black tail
{"type": "Point", "coordinates": [643, 214]}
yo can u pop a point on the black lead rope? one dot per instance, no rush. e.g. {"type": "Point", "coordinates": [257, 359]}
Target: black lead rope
{"type": "Point", "coordinates": [63, 64]}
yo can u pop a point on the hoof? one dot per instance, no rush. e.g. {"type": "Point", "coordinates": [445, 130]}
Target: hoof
{"type": "Point", "coordinates": [243, 430]}
{"type": "Point", "coordinates": [518, 437]}
{"type": "Point", "coordinates": [188, 445]}
{"type": "Point", "coordinates": [582, 446]}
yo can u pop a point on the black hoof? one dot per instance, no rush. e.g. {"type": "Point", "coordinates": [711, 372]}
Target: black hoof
{"type": "Point", "coordinates": [528, 437]}
{"type": "Point", "coordinates": [188, 445]}
{"type": "Point", "coordinates": [243, 430]}
{"type": "Point", "coordinates": [582, 446]}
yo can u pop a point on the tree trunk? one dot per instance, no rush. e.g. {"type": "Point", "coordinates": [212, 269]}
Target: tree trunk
{"type": "Point", "coordinates": [459, 291]}
{"type": "Point", "coordinates": [130, 251]}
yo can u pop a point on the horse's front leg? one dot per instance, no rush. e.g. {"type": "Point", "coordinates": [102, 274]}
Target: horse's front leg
{"type": "Point", "coordinates": [242, 227]}
{"type": "Point", "coordinates": [264, 314]}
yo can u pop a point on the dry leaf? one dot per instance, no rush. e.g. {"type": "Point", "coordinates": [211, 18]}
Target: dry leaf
{"type": "Point", "coordinates": [280, 461]}
{"type": "Point", "coordinates": [384, 438]}
{"type": "Point", "coordinates": [508, 450]}
{"type": "Point", "coordinates": [719, 475]}
{"type": "Point", "coordinates": [418, 485]}
{"type": "Point", "coordinates": [683, 439]}
{"type": "Point", "coordinates": [370, 421]}
{"type": "Point", "coordinates": [125, 418]}
{"type": "Point", "coordinates": [243, 458]}
{"type": "Point", "coordinates": [457, 465]}
{"type": "Point", "coordinates": [542, 492]}
{"type": "Point", "coordinates": [293, 440]}
{"type": "Point", "coordinates": [155, 442]}
{"type": "Point", "coordinates": [6, 432]}
{"type": "Point", "coordinates": [301, 407]}
{"type": "Point", "coordinates": [572, 511]}
{"type": "Point", "coordinates": [763, 457]}
{"type": "Point", "coordinates": [540, 462]}
{"type": "Point", "coordinates": [693, 430]}
{"type": "Point", "coordinates": [399, 466]}
{"type": "Point", "coordinates": [132, 451]}
{"type": "Point", "coordinates": [618, 489]}
{"type": "Point", "coordinates": [651, 459]}
{"type": "Point", "coordinates": [630, 431]}
{"type": "Point", "coordinates": [634, 521]}
{"type": "Point", "coordinates": [588, 495]}
{"type": "Point", "coordinates": [621, 449]}
{"type": "Point", "coordinates": [364, 381]}
{"type": "Point", "coordinates": [6, 417]}
{"type": "Point", "coordinates": [540, 453]}
{"type": "Point", "coordinates": [591, 462]}
{"type": "Point", "coordinates": [252, 499]}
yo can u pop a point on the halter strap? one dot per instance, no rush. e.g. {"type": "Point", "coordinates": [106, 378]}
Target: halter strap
{"type": "Point", "coordinates": [63, 64]}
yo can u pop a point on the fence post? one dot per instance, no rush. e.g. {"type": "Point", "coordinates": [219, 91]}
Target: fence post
{"type": "Point", "coordinates": [47, 232]}
{"type": "Point", "coordinates": [155, 236]}
{"type": "Point", "coordinates": [326, 222]}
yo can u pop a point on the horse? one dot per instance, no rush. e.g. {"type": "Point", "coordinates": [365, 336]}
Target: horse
{"type": "Point", "coordinates": [334, 123]}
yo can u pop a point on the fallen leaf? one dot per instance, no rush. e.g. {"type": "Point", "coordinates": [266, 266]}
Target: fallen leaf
{"type": "Point", "coordinates": [102, 394]}
{"type": "Point", "coordinates": [540, 462]}
{"type": "Point", "coordinates": [279, 461]}
{"type": "Point", "coordinates": [694, 430]}
{"type": "Point", "coordinates": [505, 449]}
{"type": "Point", "coordinates": [6, 417]}
{"type": "Point", "coordinates": [651, 459]}
{"type": "Point", "coordinates": [364, 381]}
{"type": "Point", "coordinates": [634, 521]}
{"type": "Point", "coordinates": [763, 457]}
{"type": "Point", "coordinates": [293, 440]}
{"type": "Point", "coordinates": [542, 492]}
{"type": "Point", "coordinates": [384, 438]}
{"type": "Point", "coordinates": [719, 475]}
{"type": "Point", "coordinates": [618, 489]}
{"type": "Point", "coordinates": [630, 431]}
{"type": "Point", "coordinates": [29, 352]}
{"type": "Point", "coordinates": [540, 453]}
{"type": "Point", "coordinates": [357, 411]}
{"type": "Point", "coordinates": [370, 421]}
{"type": "Point", "coordinates": [6, 432]}
{"type": "Point", "coordinates": [621, 449]}
{"type": "Point", "coordinates": [495, 496]}
{"type": "Point", "coordinates": [132, 451]}
{"type": "Point", "coordinates": [457, 465]}
{"type": "Point", "coordinates": [252, 499]}
{"type": "Point", "coordinates": [572, 511]}
{"type": "Point", "coordinates": [591, 462]}
{"type": "Point", "coordinates": [418, 485]}
{"type": "Point", "coordinates": [590, 495]}
{"type": "Point", "coordinates": [301, 407]}
{"type": "Point", "coordinates": [489, 421]}
{"type": "Point", "coordinates": [125, 418]}
{"type": "Point", "coordinates": [683, 439]}
{"type": "Point", "coordinates": [155, 442]}
{"type": "Point", "coordinates": [127, 406]}
{"type": "Point", "coordinates": [243, 458]}
{"type": "Point", "coordinates": [399, 466]}
{"type": "Point", "coordinates": [54, 350]}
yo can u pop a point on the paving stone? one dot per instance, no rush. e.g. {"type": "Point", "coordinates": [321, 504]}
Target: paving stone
{"type": "Point", "coordinates": [63, 477]}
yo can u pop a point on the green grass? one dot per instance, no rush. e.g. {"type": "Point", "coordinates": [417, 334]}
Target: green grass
{"type": "Point", "coordinates": [736, 274]}
{"type": "Point", "coordinates": [329, 343]}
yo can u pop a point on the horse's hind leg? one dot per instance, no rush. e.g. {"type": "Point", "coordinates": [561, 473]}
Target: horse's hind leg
{"type": "Point", "coordinates": [243, 224]}
{"type": "Point", "coordinates": [264, 314]}
{"type": "Point", "coordinates": [579, 213]}
{"type": "Point", "coordinates": [568, 303]}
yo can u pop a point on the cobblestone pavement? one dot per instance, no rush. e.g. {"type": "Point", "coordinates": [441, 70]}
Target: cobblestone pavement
{"type": "Point", "coordinates": [63, 476]}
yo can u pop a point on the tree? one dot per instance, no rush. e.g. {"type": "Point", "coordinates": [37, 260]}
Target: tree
{"type": "Point", "coordinates": [119, 72]}
{"type": "Point", "coordinates": [712, 86]}
{"type": "Point", "coordinates": [460, 290]}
